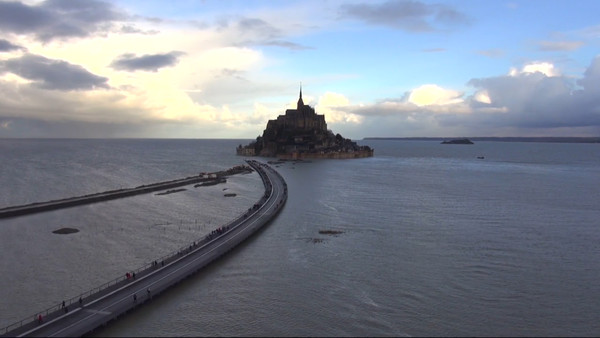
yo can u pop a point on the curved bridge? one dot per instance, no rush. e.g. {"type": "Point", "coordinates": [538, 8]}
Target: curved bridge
{"type": "Point", "coordinates": [82, 315]}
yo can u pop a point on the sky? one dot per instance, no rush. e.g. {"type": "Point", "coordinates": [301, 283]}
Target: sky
{"type": "Point", "coordinates": [222, 69]}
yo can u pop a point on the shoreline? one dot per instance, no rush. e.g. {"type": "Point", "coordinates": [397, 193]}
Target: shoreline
{"type": "Point", "coordinates": [548, 139]}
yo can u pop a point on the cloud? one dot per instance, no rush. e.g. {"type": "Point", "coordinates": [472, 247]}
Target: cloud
{"type": "Point", "coordinates": [533, 101]}
{"type": "Point", "coordinates": [431, 94]}
{"type": "Point", "coordinates": [255, 32]}
{"type": "Point", "coordinates": [492, 53]}
{"type": "Point", "coordinates": [156, 112]}
{"type": "Point", "coordinates": [52, 74]}
{"type": "Point", "coordinates": [592, 32]}
{"type": "Point", "coordinates": [7, 46]}
{"type": "Point", "coordinates": [332, 106]}
{"type": "Point", "coordinates": [58, 19]}
{"type": "Point", "coordinates": [552, 46]}
{"type": "Point", "coordinates": [411, 16]}
{"type": "Point", "coordinates": [151, 62]}
{"type": "Point", "coordinates": [131, 29]}
{"type": "Point", "coordinates": [545, 68]}
{"type": "Point", "coordinates": [285, 44]}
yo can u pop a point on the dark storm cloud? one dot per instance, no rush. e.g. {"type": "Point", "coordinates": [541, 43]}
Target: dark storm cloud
{"type": "Point", "coordinates": [55, 19]}
{"type": "Point", "coordinates": [534, 100]}
{"type": "Point", "coordinates": [412, 16]}
{"type": "Point", "coordinates": [52, 74]}
{"type": "Point", "coordinates": [7, 46]}
{"type": "Point", "coordinates": [151, 62]}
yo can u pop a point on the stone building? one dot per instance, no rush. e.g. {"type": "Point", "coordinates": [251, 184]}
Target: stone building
{"type": "Point", "coordinates": [301, 132]}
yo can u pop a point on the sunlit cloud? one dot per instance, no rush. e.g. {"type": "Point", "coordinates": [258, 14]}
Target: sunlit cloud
{"type": "Point", "coordinates": [332, 106]}
{"type": "Point", "coordinates": [482, 96]}
{"type": "Point", "coordinates": [431, 94]}
{"type": "Point", "coordinates": [545, 68]}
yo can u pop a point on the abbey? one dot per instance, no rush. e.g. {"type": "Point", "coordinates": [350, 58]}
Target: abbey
{"type": "Point", "coordinates": [302, 133]}
{"type": "Point", "coordinates": [301, 118]}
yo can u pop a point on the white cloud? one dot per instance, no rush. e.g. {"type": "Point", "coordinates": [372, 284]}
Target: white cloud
{"type": "Point", "coordinates": [545, 68]}
{"type": "Point", "coordinates": [533, 101]}
{"type": "Point", "coordinates": [431, 94]}
{"type": "Point", "coordinates": [482, 96]}
{"type": "Point", "coordinates": [332, 106]}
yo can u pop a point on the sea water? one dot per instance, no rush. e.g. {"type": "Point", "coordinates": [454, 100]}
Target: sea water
{"type": "Point", "coordinates": [429, 239]}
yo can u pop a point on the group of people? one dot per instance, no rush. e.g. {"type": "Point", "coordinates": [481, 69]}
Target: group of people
{"type": "Point", "coordinates": [217, 232]}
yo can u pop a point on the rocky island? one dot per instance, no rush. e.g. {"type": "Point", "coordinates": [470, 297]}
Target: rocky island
{"type": "Point", "coordinates": [302, 133]}
{"type": "Point", "coordinates": [458, 141]}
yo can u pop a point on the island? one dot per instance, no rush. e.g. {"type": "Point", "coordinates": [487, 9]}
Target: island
{"type": "Point", "coordinates": [302, 133]}
{"type": "Point", "coordinates": [458, 141]}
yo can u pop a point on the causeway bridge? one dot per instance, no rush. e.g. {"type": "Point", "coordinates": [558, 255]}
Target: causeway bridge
{"type": "Point", "coordinates": [32, 208]}
{"type": "Point", "coordinates": [86, 312]}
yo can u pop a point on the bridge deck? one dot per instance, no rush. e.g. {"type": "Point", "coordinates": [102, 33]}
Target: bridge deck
{"type": "Point", "coordinates": [123, 295]}
{"type": "Point", "coordinates": [20, 210]}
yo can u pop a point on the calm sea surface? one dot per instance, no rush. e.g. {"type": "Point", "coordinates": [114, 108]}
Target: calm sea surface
{"type": "Point", "coordinates": [434, 241]}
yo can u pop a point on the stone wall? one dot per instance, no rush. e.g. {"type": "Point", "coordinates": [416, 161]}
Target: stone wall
{"type": "Point", "coordinates": [327, 155]}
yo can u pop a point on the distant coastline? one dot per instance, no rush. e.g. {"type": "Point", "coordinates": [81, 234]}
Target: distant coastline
{"type": "Point", "coordinates": [498, 139]}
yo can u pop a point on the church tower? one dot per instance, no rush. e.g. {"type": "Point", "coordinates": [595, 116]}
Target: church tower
{"type": "Point", "coordinates": [300, 102]}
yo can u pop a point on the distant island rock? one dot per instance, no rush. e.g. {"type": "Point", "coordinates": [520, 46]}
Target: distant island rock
{"type": "Point", "coordinates": [65, 231]}
{"type": "Point", "coordinates": [458, 141]}
{"type": "Point", "coordinates": [302, 133]}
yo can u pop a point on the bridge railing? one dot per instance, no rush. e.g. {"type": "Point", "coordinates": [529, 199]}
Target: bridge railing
{"type": "Point", "coordinates": [94, 293]}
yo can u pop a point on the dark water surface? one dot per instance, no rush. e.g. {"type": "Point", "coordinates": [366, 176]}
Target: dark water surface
{"type": "Point", "coordinates": [434, 241]}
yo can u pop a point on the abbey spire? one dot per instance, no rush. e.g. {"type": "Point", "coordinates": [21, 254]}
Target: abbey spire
{"type": "Point", "coordinates": [300, 102]}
